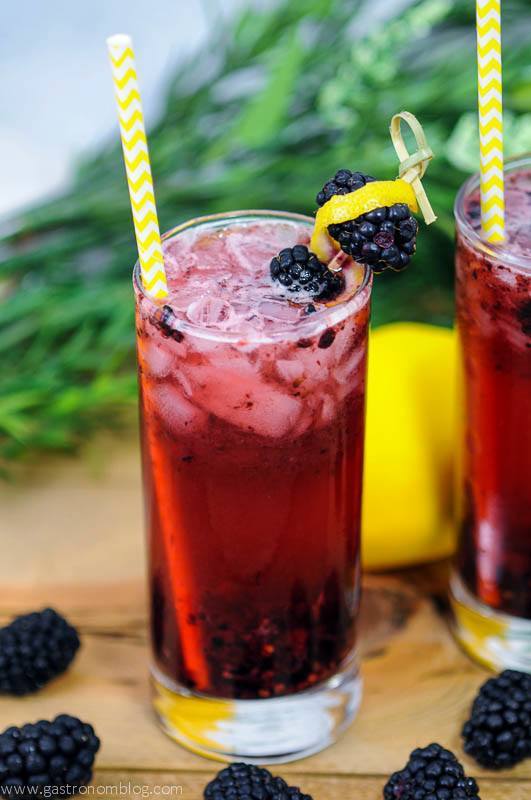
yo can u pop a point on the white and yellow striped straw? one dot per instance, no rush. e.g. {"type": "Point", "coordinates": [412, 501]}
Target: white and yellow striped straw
{"type": "Point", "coordinates": [137, 166]}
{"type": "Point", "coordinates": [488, 26]}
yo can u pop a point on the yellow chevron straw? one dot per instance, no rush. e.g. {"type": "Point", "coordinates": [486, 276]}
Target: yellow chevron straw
{"type": "Point", "coordinates": [137, 167]}
{"type": "Point", "coordinates": [488, 25]}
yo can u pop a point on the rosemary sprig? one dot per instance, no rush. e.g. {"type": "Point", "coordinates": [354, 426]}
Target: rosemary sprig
{"type": "Point", "coordinates": [260, 117]}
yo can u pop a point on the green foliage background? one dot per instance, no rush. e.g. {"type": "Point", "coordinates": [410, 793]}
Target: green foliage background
{"type": "Point", "coordinates": [260, 117]}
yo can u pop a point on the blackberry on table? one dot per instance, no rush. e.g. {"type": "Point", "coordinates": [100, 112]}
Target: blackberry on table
{"type": "Point", "coordinates": [498, 733]}
{"type": "Point", "coordinates": [35, 648]}
{"type": "Point", "coordinates": [249, 782]}
{"type": "Point", "coordinates": [242, 781]}
{"type": "Point", "coordinates": [299, 272]}
{"type": "Point", "coordinates": [385, 238]}
{"type": "Point", "coordinates": [431, 773]}
{"type": "Point", "coordinates": [60, 752]}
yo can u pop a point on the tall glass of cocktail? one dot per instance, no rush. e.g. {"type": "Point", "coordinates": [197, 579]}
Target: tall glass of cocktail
{"type": "Point", "coordinates": [491, 586]}
{"type": "Point", "coordinates": [252, 431]}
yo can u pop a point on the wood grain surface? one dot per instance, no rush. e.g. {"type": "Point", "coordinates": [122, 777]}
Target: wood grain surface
{"type": "Point", "coordinates": [71, 534]}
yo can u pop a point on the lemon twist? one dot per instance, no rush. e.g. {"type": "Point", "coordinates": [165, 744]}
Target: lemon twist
{"type": "Point", "coordinates": [407, 189]}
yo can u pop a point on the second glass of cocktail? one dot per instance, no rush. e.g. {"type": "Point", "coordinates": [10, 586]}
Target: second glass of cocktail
{"type": "Point", "coordinates": [253, 421]}
{"type": "Point", "coordinates": [491, 583]}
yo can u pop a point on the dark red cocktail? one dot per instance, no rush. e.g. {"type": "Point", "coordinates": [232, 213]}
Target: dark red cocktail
{"type": "Point", "coordinates": [252, 427]}
{"type": "Point", "coordinates": [494, 323]}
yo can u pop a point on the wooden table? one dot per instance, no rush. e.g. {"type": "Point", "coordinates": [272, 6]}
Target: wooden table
{"type": "Point", "coordinates": [71, 534]}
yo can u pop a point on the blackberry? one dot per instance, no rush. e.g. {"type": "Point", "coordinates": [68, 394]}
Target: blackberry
{"type": "Point", "coordinates": [498, 733]}
{"type": "Point", "coordinates": [249, 782]}
{"type": "Point", "coordinates": [343, 182]}
{"type": "Point", "coordinates": [385, 238]}
{"type": "Point", "coordinates": [431, 773]}
{"type": "Point", "coordinates": [167, 321]}
{"type": "Point", "coordinates": [35, 648]}
{"type": "Point", "coordinates": [298, 271]}
{"type": "Point", "coordinates": [36, 757]}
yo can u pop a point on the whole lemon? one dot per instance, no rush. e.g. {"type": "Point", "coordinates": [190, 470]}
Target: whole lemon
{"type": "Point", "coordinates": [409, 446]}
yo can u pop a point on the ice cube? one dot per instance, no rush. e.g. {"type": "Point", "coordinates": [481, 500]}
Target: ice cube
{"type": "Point", "coordinates": [179, 258]}
{"type": "Point", "coordinates": [158, 359]}
{"type": "Point", "coordinates": [252, 325]}
{"type": "Point", "coordinates": [210, 312]}
{"type": "Point", "coordinates": [350, 373]}
{"type": "Point", "coordinates": [241, 312]}
{"type": "Point", "coordinates": [315, 365]}
{"type": "Point", "coordinates": [343, 343]}
{"type": "Point", "coordinates": [280, 311]}
{"type": "Point", "coordinates": [175, 410]}
{"type": "Point", "coordinates": [328, 409]}
{"type": "Point", "coordinates": [183, 298]}
{"type": "Point", "coordinates": [289, 370]}
{"type": "Point", "coordinates": [249, 254]}
{"type": "Point", "coordinates": [235, 392]}
{"type": "Point", "coordinates": [245, 319]}
{"type": "Point", "coordinates": [183, 380]}
{"type": "Point", "coordinates": [304, 421]}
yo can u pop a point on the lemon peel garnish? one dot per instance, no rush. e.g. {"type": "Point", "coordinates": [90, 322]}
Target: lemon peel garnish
{"type": "Point", "coordinates": [344, 207]}
{"type": "Point", "coordinates": [407, 188]}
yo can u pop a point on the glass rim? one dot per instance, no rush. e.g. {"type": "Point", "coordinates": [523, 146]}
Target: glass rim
{"type": "Point", "coordinates": [473, 236]}
{"type": "Point", "coordinates": [332, 315]}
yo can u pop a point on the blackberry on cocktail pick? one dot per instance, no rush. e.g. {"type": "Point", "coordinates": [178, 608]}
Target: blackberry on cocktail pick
{"type": "Point", "coordinates": [431, 773]}
{"type": "Point", "coordinates": [35, 648]}
{"type": "Point", "coordinates": [498, 733]}
{"type": "Point", "coordinates": [300, 273]}
{"type": "Point", "coordinates": [343, 182]}
{"type": "Point", "coordinates": [385, 238]}
{"type": "Point", "coordinates": [35, 758]}
{"type": "Point", "coordinates": [248, 782]}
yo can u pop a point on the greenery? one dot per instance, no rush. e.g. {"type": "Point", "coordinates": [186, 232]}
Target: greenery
{"type": "Point", "coordinates": [272, 106]}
